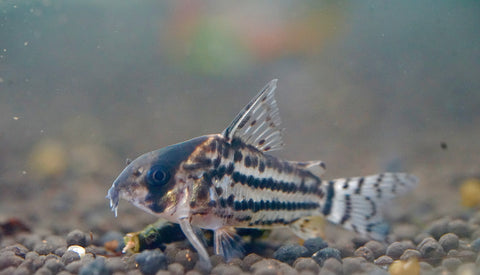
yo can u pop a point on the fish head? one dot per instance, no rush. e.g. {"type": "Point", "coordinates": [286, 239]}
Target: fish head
{"type": "Point", "coordinates": [150, 182]}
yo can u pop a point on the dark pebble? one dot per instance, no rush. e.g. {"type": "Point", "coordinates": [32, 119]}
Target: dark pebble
{"type": "Point", "coordinates": [60, 251]}
{"type": "Point", "coordinates": [289, 253]}
{"type": "Point", "coordinates": [448, 241]}
{"type": "Point", "coordinates": [410, 253]}
{"type": "Point", "coordinates": [226, 269]}
{"type": "Point", "coordinates": [216, 260]}
{"type": "Point", "coordinates": [55, 265]}
{"type": "Point", "coordinates": [315, 244]}
{"type": "Point", "coordinates": [74, 267]}
{"type": "Point", "coordinates": [383, 261]}
{"type": "Point", "coordinates": [431, 250]}
{"type": "Point", "coordinates": [359, 241]}
{"type": "Point", "coordinates": [306, 264]}
{"type": "Point", "coordinates": [326, 253]}
{"type": "Point", "coordinates": [353, 264]}
{"type": "Point", "coordinates": [55, 242]}
{"type": "Point", "coordinates": [451, 264]}
{"type": "Point", "coordinates": [187, 258]}
{"type": "Point", "coordinates": [151, 261]}
{"type": "Point", "coordinates": [364, 252]}
{"type": "Point", "coordinates": [459, 228]}
{"type": "Point", "coordinates": [70, 256]}
{"type": "Point", "coordinates": [438, 228]}
{"type": "Point", "coordinates": [29, 241]}
{"type": "Point", "coordinates": [8, 258]}
{"type": "Point", "coordinates": [76, 237]}
{"type": "Point", "coordinates": [475, 245]}
{"type": "Point", "coordinates": [96, 250]}
{"type": "Point", "coordinates": [378, 249]}
{"type": "Point", "coordinates": [346, 248]}
{"type": "Point", "coordinates": [176, 269]}
{"type": "Point", "coordinates": [395, 250]}
{"type": "Point", "coordinates": [17, 249]}
{"type": "Point", "coordinates": [43, 248]}
{"type": "Point", "coordinates": [420, 237]}
{"type": "Point", "coordinates": [96, 267]}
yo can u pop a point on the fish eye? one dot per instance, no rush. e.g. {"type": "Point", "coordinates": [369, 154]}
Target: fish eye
{"type": "Point", "coordinates": [157, 175]}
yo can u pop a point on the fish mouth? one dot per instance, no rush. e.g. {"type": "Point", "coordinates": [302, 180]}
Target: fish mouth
{"type": "Point", "coordinates": [113, 196]}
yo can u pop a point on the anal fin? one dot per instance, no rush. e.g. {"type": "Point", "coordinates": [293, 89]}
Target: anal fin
{"type": "Point", "coordinates": [228, 244]}
{"type": "Point", "coordinates": [309, 227]}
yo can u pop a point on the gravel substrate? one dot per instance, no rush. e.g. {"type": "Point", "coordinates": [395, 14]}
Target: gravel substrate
{"type": "Point", "coordinates": [445, 246]}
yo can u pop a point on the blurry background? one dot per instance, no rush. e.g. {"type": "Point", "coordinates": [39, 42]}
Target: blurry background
{"type": "Point", "coordinates": [366, 86]}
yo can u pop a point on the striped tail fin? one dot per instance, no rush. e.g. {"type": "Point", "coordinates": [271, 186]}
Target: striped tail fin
{"type": "Point", "coordinates": [356, 203]}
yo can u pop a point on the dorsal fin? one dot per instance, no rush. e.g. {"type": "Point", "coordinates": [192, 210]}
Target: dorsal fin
{"type": "Point", "coordinates": [258, 124]}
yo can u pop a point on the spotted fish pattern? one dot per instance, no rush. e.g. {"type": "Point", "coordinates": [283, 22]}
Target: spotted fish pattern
{"type": "Point", "coordinates": [228, 180]}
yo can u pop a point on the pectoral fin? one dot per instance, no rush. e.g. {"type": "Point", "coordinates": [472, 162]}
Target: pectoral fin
{"type": "Point", "coordinates": [228, 244]}
{"type": "Point", "coordinates": [309, 227]}
{"type": "Point", "coordinates": [195, 241]}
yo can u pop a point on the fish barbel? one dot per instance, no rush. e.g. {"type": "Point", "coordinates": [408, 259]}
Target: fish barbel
{"type": "Point", "coordinates": [227, 180]}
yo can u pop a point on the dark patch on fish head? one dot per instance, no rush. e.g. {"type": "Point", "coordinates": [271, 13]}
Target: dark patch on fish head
{"type": "Point", "coordinates": [149, 181]}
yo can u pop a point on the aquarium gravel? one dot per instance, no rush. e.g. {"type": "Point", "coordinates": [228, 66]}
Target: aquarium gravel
{"type": "Point", "coordinates": [445, 246]}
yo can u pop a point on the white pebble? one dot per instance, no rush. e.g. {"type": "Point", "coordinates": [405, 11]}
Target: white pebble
{"type": "Point", "coordinates": [78, 249]}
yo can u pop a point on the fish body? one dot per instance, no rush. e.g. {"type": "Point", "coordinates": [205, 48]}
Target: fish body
{"type": "Point", "coordinates": [228, 180]}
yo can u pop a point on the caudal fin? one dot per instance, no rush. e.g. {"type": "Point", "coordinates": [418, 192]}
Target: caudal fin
{"type": "Point", "coordinates": [356, 203]}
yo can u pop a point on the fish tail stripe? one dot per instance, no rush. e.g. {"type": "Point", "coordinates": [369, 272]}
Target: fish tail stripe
{"type": "Point", "coordinates": [329, 200]}
{"type": "Point", "coordinates": [356, 203]}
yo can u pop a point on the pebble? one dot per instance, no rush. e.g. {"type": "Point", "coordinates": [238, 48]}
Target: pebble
{"type": "Point", "coordinates": [353, 264]}
{"type": "Point", "coordinates": [7, 271]}
{"type": "Point", "coordinates": [359, 241]}
{"type": "Point", "coordinates": [302, 264]}
{"type": "Point", "coordinates": [448, 241]}
{"type": "Point", "coordinates": [475, 245]}
{"type": "Point", "coordinates": [151, 261]}
{"type": "Point", "coordinates": [43, 248]}
{"type": "Point", "coordinates": [459, 228]}
{"type": "Point", "coordinates": [467, 255]}
{"type": "Point", "coordinates": [60, 251]}
{"type": "Point", "coordinates": [46, 271]}
{"type": "Point", "coordinates": [187, 258]}
{"type": "Point", "coordinates": [378, 249]}
{"type": "Point", "coordinates": [116, 264]}
{"type": "Point", "coordinates": [55, 265]}
{"type": "Point", "coordinates": [30, 240]}
{"type": "Point", "coordinates": [410, 253]}
{"type": "Point", "coordinates": [395, 250]}
{"type": "Point", "coordinates": [22, 271]}
{"type": "Point", "coordinates": [383, 261]}
{"type": "Point", "coordinates": [17, 249]}
{"type": "Point", "coordinates": [332, 265]}
{"type": "Point", "coordinates": [451, 264]}
{"type": "Point", "coordinates": [326, 253]}
{"type": "Point", "coordinates": [176, 269]}
{"type": "Point", "coordinates": [70, 256]}
{"type": "Point", "coordinates": [364, 252]}
{"type": "Point", "coordinates": [8, 258]}
{"type": "Point", "coordinates": [76, 237]}
{"type": "Point", "coordinates": [438, 228]}
{"type": "Point", "coordinates": [315, 244]}
{"type": "Point", "coordinates": [250, 259]}
{"type": "Point", "coordinates": [96, 267]}
{"type": "Point", "coordinates": [289, 253]}
{"type": "Point", "coordinates": [226, 269]}
{"type": "Point", "coordinates": [431, 250]}
{"type": "Point", "coordinates": [271, 267]}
